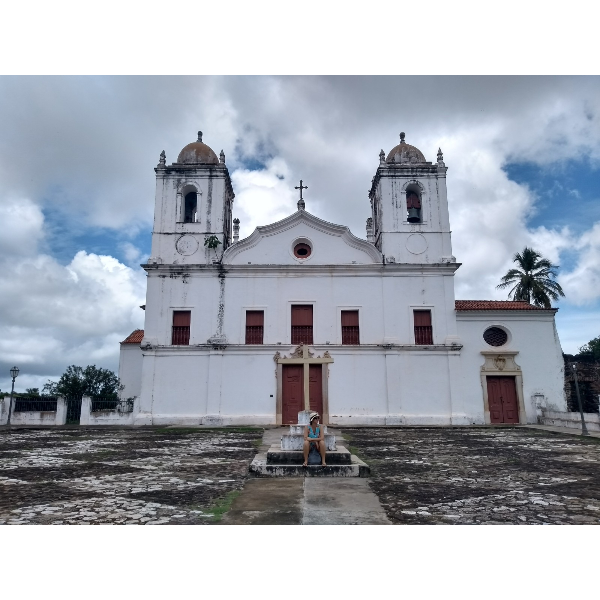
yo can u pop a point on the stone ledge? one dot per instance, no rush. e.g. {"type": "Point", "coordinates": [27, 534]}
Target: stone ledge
{"type": "Point", "coordinates": [296, 442]}
{"type": "Point", "coordinates": [277, 456]}
{"type": "Point", "coordinates": [260, 468]}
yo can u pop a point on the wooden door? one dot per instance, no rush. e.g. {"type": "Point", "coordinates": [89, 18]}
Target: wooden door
{"type": "Point", "coordinates": [502, 400]}
{"type": "Point", "coordinates": [292, 393]}
{"type": "Point", "coordinates": [315, 378]}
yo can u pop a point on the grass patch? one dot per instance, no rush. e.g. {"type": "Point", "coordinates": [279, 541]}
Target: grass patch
{"type": "Point", "coordinates": [221, 506]}
{"type": "Point", "coordinates": [353, 449]}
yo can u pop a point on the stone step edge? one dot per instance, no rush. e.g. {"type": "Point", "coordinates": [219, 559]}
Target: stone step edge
{"type": "Point", "coordinates": [260, 468]}
{"type": "Point", "coordinates": [295, 458]}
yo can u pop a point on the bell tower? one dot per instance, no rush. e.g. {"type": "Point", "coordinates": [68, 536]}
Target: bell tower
{"type": "Point", "coordinates": [193, 206]}
{"type": "Point", "coordinates": [410, 222]}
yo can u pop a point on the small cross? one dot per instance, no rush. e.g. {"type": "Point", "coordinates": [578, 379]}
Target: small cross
{"type": "Point", "coordinates": [301, 187]}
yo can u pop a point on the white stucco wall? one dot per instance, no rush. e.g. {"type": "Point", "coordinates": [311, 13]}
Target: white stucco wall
{"type": "Point", "coordinates": [130, 370]}
{"type": "Point", "coordinates": [533, 335]}
{"type": "Point", "coordinates": [385, 380]}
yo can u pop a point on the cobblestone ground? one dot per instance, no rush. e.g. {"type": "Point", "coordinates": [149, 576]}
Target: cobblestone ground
{"type": "Point", "coordinates": [492, 475]}
{"type": "Point", "coordinates": [134, 476]}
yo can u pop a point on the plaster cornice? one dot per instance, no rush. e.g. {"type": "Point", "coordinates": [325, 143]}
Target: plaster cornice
{"type": "Point", "coordinates": [372, 270]}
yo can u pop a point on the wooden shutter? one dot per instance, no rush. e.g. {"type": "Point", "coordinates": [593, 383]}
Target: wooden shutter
{"type": "Point", "coordinates": [422, 318]}
{"type": "Point", "coordinates": [181, 328]}
{"type": "Point", "coordinates": [302, 315]}
{"type": "Point", "coordinates": [423, 328]}
{"type": "Point", "coordinates": [302, 324]}
{"type": "Point", "coordinates": [181, 318]}
{"type": "Point", "coordinates": [350, 332]}
{"type": "Point", "coordinates": [349, 318]}
{"type": "Point", "coordinates": [255, 320]}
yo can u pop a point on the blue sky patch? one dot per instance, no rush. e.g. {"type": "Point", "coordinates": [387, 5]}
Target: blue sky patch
{"type": "Point", "coordinates": [567, 193]}
{"type": "Point", "coordinates": [65, 236]}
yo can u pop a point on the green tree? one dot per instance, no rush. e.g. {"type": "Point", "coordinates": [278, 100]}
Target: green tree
{"type": "Point", "coordinates": [77, 382]}
{"type": "Point", "coordinates": [32, 391]}
{"type": "Point", "coordinates": [532, 280]}
{"type": "Point", "coordinates": [592, 348]}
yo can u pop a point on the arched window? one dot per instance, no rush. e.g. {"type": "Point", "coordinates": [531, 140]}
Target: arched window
{"type": "Point", "coordinates": [190, 211]}
{"type": "Point", "coordinates": [413, 207]}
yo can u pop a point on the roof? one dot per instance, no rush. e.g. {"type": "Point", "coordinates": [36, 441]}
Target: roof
{"type": "Point", "coordinates": [405, 153]}
{"type": "Point", "coordinates": [135, 337]}
{"type": "Point", "coordinates": [198, 152]}
{"type": "Point", "coordinates": [496, 305]}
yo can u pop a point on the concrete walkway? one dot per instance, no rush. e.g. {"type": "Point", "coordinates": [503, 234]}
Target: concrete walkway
{"type": "Point", "coordinates": [305, 500]}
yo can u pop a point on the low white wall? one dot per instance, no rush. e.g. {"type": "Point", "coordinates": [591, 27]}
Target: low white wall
{"type": "Point", "coordinates": [3, 411]}
{"type": "Point", "coordinates": [570, 419]}
{"type": "Point", "coordinates": [46, 417]}
{"type": "Point", "coordinates": [106, 417]}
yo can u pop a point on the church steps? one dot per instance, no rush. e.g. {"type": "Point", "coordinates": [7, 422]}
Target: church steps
{"type": "Point", "coordinates": [277, 456]}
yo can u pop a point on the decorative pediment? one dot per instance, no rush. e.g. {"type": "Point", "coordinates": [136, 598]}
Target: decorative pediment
{"type": "Point", "coordinates": [302, 354]}
{"type": "Point", "coordinates": [500, 362]}
{"type": "Point", "coordinates": [274, 244]}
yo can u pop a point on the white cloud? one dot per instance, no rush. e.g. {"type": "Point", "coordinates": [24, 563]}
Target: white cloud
{"type": "Point", "coordinates": [53, 315]}
{"type": "Point", "coordinates": [89, 149]}
{"type": "Point", "coordinates": [582, 284]}
{"type": "Point", "coordinates": [132, 253]}
{"type": "Point", "coordinates": [264, 196]}
{"type": "Point", "coordinates": [21, 227]}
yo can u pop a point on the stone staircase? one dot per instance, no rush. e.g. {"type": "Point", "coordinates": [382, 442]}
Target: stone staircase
{"type": "Point", "coordinates": [284, 459]}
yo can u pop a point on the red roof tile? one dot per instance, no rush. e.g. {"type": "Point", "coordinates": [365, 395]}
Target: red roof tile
{"type": "Point", "coordinates": [496, 305]}
{"type": "Point", "coordinates": [134, 338]}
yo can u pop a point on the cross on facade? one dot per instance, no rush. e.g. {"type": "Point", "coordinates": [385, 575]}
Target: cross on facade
{"type": "Point", "coordinates": [301, 187]}
{"type": "Point", "coordinates": [303, 356]}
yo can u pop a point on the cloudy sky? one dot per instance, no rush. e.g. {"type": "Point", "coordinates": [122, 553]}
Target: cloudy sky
{"type": "Point", "coordinates": [77, 185]}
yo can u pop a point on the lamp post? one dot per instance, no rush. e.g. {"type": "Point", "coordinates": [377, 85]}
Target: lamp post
{"type": "Point", "coordinates": [584, 430]}
{"type": "Point", "coordinates": [14, 373]}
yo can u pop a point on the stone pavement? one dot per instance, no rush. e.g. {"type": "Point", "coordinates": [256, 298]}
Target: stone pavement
{"type": "Point", "coordinates": [420, 475]}
{"type": "Point", "coordinates": [305, 500]}
{"type": "Point", "coordinates": [150, 476]}
{"type": "Point", "coordinates": [482, 475]}
{"type": "Point", "coordinates": [567, 430]}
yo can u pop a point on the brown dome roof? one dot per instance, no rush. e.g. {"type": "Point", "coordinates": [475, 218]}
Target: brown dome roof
{"type": "Point", "coordinates": [198, 152]}
{"type": "Point", "coordinates": [405, 153]}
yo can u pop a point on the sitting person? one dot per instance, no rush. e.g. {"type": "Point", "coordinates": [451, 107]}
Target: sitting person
{"type": "Point", "coordinates": [314, 438]}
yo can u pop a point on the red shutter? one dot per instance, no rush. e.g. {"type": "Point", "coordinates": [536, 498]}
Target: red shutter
{"type": "Point", "coordinates": [181, 318]}
{"type": "Point", "coordinates": [302, 324]}
{"type": "Point", "coordinates": [422, 318]}
{"type": "Point", "coordinates": [350, 332]}
{"type": "Point", "coordinates": [349, 318]}
{"type": "Point", "coordinates": [255, 320]}
{"type": "Point", "coordinates": [302, 315]}
{"type": "Point", "coordinates": [423, 328]}
{"type": "Point", "coordinates": [181, 328]}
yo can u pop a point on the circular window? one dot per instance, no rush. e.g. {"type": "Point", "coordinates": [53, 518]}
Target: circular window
{"type": "Point", "coordinates": [494, 336]}
{"type": "Point", "coordinates": [302, 250]}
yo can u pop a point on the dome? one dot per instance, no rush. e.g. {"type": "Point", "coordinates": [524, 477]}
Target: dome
{"type": "Point", "coordinates": [198, 152]}
{"type": "Point", "coordinates": [405, 153]}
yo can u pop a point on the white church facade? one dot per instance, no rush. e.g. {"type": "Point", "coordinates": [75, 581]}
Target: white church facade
{"type": "Point", "coordinates": [302, 313]}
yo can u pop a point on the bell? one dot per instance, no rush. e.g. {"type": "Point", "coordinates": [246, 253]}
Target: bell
{"type": "Point", "coordinates": [414, 215]}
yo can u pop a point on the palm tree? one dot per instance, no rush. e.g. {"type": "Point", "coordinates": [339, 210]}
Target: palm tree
{"type": "Point", "coordinates": [533, 281]}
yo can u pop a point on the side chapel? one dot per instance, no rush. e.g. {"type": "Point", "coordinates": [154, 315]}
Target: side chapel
{"type": "Point", "coordinates": [304, 314]}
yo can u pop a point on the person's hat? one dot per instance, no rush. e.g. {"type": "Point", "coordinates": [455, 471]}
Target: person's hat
{"type": "Point", "coordinates": [314, 415]}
